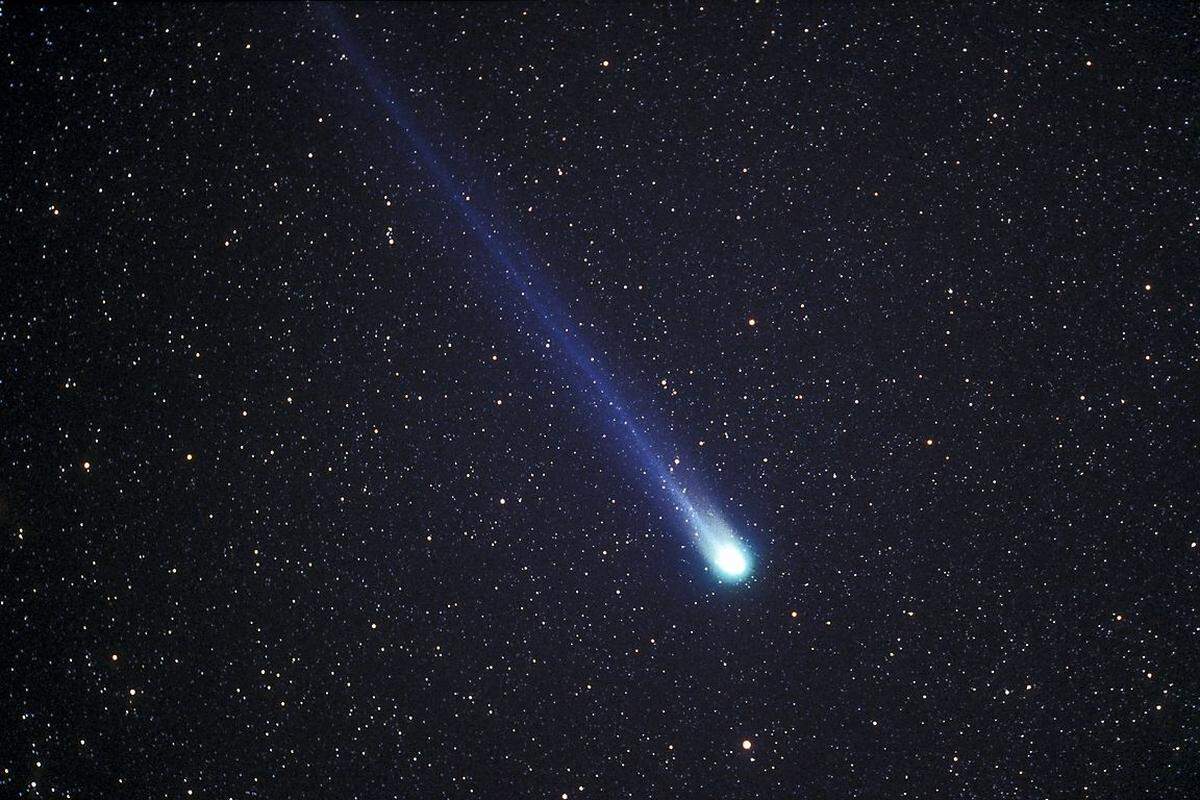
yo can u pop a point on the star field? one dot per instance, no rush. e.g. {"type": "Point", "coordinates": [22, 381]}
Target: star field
{"type": "Point", "coordinates": [299, 499]}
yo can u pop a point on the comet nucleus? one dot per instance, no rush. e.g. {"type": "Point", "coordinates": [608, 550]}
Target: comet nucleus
{"type": "Point", "coordinates": [724, 551]}
{"type": "Point", "coordinates": [730, 561]}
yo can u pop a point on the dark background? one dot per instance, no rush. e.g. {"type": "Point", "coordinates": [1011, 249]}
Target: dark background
{"type": "Point", "coordinates": [261, 397]}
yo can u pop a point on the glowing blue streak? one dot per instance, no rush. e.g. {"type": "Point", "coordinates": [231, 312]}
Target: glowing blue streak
{"type": "Point", "coordinates": [716, 539]}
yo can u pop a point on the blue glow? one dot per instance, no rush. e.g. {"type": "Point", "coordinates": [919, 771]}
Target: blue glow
{"type": "Point", "coordinates": [731, 561]}
{"type": "Point", "coordinates": [727, 555]}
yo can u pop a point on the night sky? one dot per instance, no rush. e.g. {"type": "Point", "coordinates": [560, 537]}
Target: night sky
{"type": "Point", "coordinates": [302, 495]}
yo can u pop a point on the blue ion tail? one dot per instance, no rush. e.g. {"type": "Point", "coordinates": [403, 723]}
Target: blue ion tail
{"type": "Point", "coordinates": [727, 557]}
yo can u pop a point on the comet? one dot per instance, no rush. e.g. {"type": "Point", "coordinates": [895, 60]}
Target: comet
{"type": "Point", "coordinates": [726, 553]}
